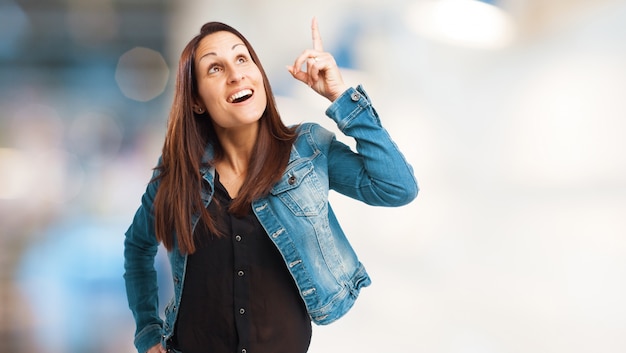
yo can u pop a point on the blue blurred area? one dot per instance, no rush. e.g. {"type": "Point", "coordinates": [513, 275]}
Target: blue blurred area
{"type": "Point", "coordinates": [72, 278]}
{"type": "Point", "coordinates": [79, 265]}
{"type": "Point", "coordinates": [64, 56]}
{"type": "Point", "coordinates": [13, 27]}
{"type": "Point", "coordinates": [65, 129]}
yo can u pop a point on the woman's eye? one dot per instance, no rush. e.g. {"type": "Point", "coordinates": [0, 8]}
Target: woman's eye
{"type": "Point", "coordinates": [214, 69]}
{"type": "Point", "coordinates": [242, 59]}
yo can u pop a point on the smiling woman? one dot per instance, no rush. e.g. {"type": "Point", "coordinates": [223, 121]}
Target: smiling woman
{"type": "Point", "coordinates": [230, 86]}
{"type": "Point", "coordinates": [240, 202]}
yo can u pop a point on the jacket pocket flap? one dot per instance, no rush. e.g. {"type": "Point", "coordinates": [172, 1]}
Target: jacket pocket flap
{"type": "Point", "coordinates": [293, 177]}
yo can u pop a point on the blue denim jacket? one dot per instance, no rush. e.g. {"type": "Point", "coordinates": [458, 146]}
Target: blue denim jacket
{"type": "Point", "coordinates": [295, 214]}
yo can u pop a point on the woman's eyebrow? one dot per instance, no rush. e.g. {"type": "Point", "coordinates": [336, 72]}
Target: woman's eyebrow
{"type": "Point", "coordinates": [214, 53]}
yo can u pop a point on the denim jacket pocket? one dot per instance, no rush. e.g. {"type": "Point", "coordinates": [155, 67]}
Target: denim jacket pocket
{"type": "Point", "coordinates": [301, 190]}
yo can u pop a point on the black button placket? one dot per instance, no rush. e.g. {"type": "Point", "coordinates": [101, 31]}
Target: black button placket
{"type": "Point", "coordinates": [241, 283]}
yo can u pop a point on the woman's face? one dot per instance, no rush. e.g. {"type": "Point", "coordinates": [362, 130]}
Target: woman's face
{"type": "Point", "coordinates": [230, 84]}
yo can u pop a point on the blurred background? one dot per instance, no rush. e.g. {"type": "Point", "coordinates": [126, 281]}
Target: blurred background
{"type": "Point", "coordinates": [512, 112]}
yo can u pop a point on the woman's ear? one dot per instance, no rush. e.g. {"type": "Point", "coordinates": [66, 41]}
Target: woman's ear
{"type": "Point", "coordinates": [198, 109]}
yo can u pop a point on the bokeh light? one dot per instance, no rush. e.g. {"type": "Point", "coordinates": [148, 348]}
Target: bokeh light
{"type": "Point", "coordinates": [468, 23]}
{"type": "Point", "coordinates": [141, 74]}
{"type": "Point", "coordinates": [18, 174]}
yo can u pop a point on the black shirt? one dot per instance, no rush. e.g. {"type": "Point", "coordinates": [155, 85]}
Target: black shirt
{"type": "Point", "coordinates": [238, 296]}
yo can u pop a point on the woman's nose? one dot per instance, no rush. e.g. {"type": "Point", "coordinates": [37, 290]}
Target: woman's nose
{"type": "Point", "coordinates": [235, 75]}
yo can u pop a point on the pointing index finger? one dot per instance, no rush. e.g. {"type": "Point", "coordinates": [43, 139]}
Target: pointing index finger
{"type": "Point", "coordinates": [317, 39]}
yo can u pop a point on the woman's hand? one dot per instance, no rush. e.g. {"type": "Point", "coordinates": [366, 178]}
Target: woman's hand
{"type": "Point", "coordinates": [322, 73]}
{"type": "Point", "coordinates": [157, 348]}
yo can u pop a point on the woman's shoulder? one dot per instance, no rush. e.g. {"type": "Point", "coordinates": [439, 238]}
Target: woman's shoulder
{"type": "Point", "coordinates": [313, 129]}
{"type": "Point", "coordinates": [313, 135]}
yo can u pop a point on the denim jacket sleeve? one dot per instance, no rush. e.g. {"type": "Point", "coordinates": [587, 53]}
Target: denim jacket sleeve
{"type": "Point", "coordinates": [377, 174]}
{"type": "Point", "coordinates": [140, 249]}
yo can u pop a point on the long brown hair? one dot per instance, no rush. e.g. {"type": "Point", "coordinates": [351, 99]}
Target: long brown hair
{"type": "Point", "coordinates": [188, 134]}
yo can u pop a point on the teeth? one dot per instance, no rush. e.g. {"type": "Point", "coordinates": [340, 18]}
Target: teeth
{"type": "Point", "coordinates": [240, 94]}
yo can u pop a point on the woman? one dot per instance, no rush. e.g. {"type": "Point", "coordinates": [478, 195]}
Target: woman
{"type": "Point", "coordinates": [240, 201]}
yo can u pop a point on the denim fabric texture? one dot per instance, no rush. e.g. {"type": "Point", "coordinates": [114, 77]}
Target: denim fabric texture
{"type": "Point", "coordinates": [296, 216]}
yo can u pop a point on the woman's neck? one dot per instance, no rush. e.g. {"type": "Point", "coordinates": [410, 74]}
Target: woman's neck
{"type": "Point", "coordinates": [237, 147]}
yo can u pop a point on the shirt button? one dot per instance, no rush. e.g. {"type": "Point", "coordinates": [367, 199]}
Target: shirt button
{"type": "Point", "coordinates": [240, 273]}
{"type": "Point", "coordinates": [242, 311]}
{"type": "Point", "coordinates": [243, 350]}
{"type": "Point", "coordinates": [355, 96]}
{"type": "Point", "coordinates": [238, 237]}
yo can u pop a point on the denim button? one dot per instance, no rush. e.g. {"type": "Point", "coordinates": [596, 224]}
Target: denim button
{"type": "Point", "coordinates": [238, 237]}
{"type": "Point", "coordinates": [242, 311]}
{"type": "Point", "coordinates": [355, 96]}
{"type": "Point", "coordinates": [240, 273]}
{"type": "Point", "coordinates": [243, 350]}
{"type": "Point", "coordinates": [292, 180]}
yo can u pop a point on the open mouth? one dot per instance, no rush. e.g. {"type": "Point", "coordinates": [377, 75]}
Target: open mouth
{"type": "Point", "coordinates": [240, 96]}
